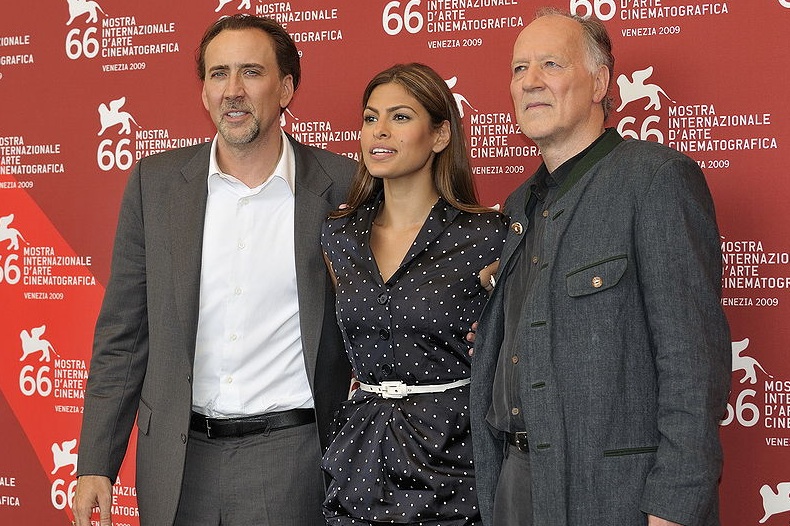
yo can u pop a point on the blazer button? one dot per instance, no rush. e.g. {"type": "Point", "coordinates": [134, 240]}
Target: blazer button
{"type": "Point", "coordinates": [597, 282]}
{"type": "Point", "coordinates": [517, 228]}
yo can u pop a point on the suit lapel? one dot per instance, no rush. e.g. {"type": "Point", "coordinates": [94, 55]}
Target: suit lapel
{"type": "Point", "coordinates": [311, 208]}
{"type": "Point", "coordinates": [187, 210]}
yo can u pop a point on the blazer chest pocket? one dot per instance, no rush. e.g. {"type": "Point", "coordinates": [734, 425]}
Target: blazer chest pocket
{"type": "Point", "coordinates": [597, 276]}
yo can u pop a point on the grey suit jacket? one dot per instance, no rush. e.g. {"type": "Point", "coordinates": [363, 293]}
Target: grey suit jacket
{"type": "Point", "coordinates": [624, 348]}
{"type": "Point", "coordinates": [144, 343]}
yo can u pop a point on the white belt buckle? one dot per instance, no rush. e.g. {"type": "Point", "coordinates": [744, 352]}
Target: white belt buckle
{"type": "Point", "coordinates": [393, 389]}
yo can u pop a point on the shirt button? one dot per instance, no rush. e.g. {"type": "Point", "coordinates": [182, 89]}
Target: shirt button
{"type": "Point", "coordinates": [545, 213]}
{"type": "Point", "coordinates": [597, 281]}
{"type": "Point", "coordinates": [241, 244]}
{"type": "Point", "coordinates": [383, 298]}
{"type": "Point", "coordinates": [514, 359]}
{"type": "Point", "coordinates": [514, 411]}
{"type": "Point", "coordinates": [183, 438]}
{"type": "Point", "coordinates": [244, 201]}
{"type": "Point", "coordinates": [229, 380]}
{"type": "Point", "coordinates": [534, 260]}
{"type": "Point", "coordinates": [384, 334]}
{"type": "Point", "coordinates": [237, 291]}
{"type": "Point", "coordinates": [233, 337]}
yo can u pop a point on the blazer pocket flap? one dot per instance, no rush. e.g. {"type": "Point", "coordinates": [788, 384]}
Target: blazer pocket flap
{"type": "Point", "coordinates": [597, 277]}
{"type": "Point", "coordinates": [143, 417]}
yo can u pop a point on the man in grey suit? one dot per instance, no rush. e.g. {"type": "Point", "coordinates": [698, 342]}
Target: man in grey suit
{"type": "Point", "coordinates": [601, 363]}
{"type": "Point", "coordinates": [217, 330]}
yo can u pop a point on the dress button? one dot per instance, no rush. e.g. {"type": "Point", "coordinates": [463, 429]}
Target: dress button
{"type": "Point", "coordinates": [383, 298]}
{"type": "Point", "coordinates": [386, 369]}
{"type": "Point", "coordinates": [517, 228]}
{"type": "Point", "coordinates": [384, 334]}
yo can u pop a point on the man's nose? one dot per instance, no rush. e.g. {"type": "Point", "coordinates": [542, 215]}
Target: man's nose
{"type": "Point", "coordinates": [234, 87]}
{"type": "Point", "coordinates": [531, 77]}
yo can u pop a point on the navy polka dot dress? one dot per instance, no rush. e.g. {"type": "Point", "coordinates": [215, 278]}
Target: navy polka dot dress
{"type": "Point", "coordinates": [408, 460]}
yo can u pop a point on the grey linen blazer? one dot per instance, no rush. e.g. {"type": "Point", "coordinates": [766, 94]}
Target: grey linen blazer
{"type": "Point", "coordinates": [624, 348]}
{"type": "Point", "coordinates": [144, 344]}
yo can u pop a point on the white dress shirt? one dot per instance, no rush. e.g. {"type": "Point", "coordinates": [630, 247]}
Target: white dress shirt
{"type": "Point", "coordinates": [248, 355]}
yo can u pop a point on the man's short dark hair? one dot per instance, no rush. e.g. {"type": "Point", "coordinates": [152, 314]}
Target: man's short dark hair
{"type": "Point", "coordinates": [284, 47]}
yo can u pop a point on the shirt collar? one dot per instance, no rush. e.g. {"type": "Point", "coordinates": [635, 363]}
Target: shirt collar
{"type": "Point", "coordinates": [285, 169]}
{"type": "Point", "coordinates": [559, 174]}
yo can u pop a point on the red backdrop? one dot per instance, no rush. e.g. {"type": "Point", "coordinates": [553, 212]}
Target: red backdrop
{"type": "Point", "coordinates": [87, 87]}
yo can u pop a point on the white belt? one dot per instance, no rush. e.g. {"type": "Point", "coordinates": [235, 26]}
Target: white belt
{"type": "Point", "coordinates": [398, 389]}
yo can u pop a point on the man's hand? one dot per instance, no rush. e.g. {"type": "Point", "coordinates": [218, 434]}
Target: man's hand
{"type": "Point", "coordinates": [470, 337]}
{"type": "Point", "coordinates": [652, 520]}
{"type": "Point", "coordinates": [92, 491]}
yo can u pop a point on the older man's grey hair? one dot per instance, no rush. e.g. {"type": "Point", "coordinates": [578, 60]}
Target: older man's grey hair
{"type": "Point", "coordinates": [598, 44]}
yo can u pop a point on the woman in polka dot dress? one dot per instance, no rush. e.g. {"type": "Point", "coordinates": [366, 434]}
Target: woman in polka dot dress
{"type": "Point", "coordinates": [406, 256]}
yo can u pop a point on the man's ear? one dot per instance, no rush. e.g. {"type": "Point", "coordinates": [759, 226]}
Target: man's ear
{"type": "Point", "coordinates": [601, 84]}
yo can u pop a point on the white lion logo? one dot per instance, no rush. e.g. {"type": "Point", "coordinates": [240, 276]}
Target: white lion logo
{"type": "Point", "coordinates": [245, 4]}
{"type": "Point", "coordinates": [32, 343]}
{"type": "Point", "coordinates": [9, 233]}
{"type": "Point", "coordinates": [282, 117]}
{"type": "Point", "coordinates": [62, 456]}
{"type": "Point", "coordinates": [110, 115]}
{"type": "Point", "coordinates": [631, 91]}
{"type": "Point", "coordinates": [747, 363]}
{"type": "Point", "coordinates": [774, 503]}
{"type": "Point", "coordinates": [460, 100]}
{"type": "Point", "coordinates": [84, 7]}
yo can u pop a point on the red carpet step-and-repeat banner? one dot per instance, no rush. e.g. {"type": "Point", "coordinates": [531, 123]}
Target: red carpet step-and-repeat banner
{"type": "Point", "coordinates": [88, 87]}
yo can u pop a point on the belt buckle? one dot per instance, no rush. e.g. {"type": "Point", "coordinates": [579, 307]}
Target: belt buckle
{"type": "Point", "coordinates": [393, 389]}
{"type": "Point", "coordinates": [521, 441]}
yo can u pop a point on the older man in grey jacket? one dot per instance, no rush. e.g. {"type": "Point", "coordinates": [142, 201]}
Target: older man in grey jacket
{"type": "Point", "coordinates": [601, 363]}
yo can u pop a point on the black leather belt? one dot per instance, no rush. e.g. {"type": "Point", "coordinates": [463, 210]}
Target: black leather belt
{"type": "Point", "coordinates": [519, 440]}
{"type": "Point", "coordinates": [249, 425]}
